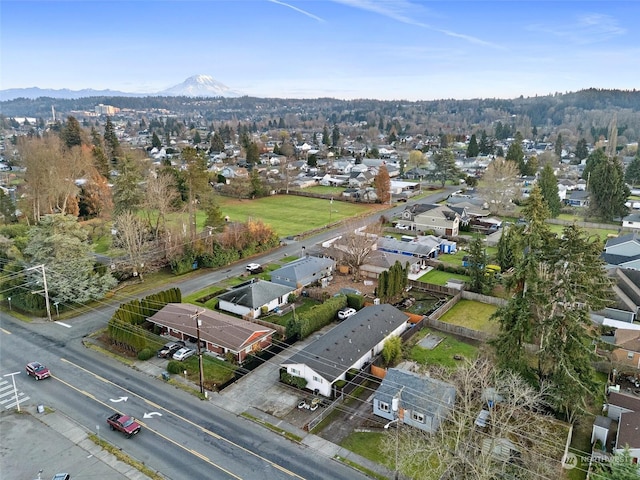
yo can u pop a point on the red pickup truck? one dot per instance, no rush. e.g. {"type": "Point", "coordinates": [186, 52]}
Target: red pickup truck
{"type": "Point", "coordinates": [124, 424]}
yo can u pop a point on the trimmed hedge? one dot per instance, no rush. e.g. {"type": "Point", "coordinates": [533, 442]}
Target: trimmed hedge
{"type": "Point", "coordinates": [321, 315]}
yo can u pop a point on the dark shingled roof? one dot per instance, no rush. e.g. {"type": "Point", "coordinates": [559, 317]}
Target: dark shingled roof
{"type": "Point", "coordinates": [338, 349]}
{"type": "Point", "coordinates": [255, 294]}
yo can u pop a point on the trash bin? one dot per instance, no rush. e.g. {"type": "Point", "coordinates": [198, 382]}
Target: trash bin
{"type": "Point", "coordinates": [165, 376]}
{"type": "Point", "coordinates": [40, 408]}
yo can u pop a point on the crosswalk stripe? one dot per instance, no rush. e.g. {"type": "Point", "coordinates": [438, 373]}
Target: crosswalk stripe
{"type": "Point", "coordinates": [14, 404]}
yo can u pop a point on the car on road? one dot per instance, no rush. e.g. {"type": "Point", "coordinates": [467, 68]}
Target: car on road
{"type": "Point", "coordinates": [346, 313]}
{"type": "Point", "coordinates": [124, 423]}
{"type": "Point", "coordinates": [183, 354]}
{"type": "Point", "coordinates": [37, 370]}
{"type": "Point", "coordinates": [169, 349]}
{"type": "Point", "coordinates": [254, 268]}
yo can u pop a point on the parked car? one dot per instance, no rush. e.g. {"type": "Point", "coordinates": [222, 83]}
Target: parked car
{"type": "Point", "coordinates": [183, 354]}
{"type": "Point", "coordinates": [346, 313]}
{"type": "Point", "coordinates": [254, 268]}
{"type": "Point", "coordinates": [61, 476]}
{"type": "Point", "coordinates": [37, 370]}
{"type": "Point", "coordinates": [169, 349]}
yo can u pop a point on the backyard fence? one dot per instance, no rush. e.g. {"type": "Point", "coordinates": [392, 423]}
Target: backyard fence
{"type": "Point", "coordinates": [500, 302]}
{"type": "Point", "coordinates": [457, 330]}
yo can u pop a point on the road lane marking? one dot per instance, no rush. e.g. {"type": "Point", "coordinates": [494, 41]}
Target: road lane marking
{"type": "Point", "coordinates": [63, 324]}
{"type": "Point", "coordinates": [146, 427]}
{"type": "Point", "coordinates": [6, 331]}
{"type": "Point", "coordinates": [186, 420]}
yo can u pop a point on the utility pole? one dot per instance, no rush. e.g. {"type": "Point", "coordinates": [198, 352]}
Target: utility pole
{"type": "Point", "coordinates": [45, 291]}
{"type": "Point", "coordinates": [199, 350]}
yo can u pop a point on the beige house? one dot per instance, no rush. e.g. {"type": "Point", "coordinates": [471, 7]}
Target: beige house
{"type": "Point", "coordinates": [425, 217]}
{"type": "Point", "coordinates": [628, 347]}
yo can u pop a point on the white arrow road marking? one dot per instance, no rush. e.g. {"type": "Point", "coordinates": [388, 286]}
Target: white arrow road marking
{"type": "Point", "coordinates": [151, 414]}
{"type": "Point", "coordinates": [121, 399]}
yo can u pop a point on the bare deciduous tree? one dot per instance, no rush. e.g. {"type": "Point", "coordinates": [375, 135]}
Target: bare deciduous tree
{"type": "Point", "coordinates": [353, 248]}
{"type": "Point", "coordinates": [160, 195]}
{"type": "Point", "coordinates": [132, 234]}
{"type": "Point", "coordinates": [518, 441]}
{"type": "Point", "coordinates": [498, 186]}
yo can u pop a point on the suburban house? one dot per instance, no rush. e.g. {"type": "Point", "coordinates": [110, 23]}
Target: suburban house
{"type": "Point", "coordinates": [631, 221]}
{"type": "Point", "coordinates": [577, 198]}
{"type": "Point", "coordinates": [423, 402]}
{"type": "Point", "coordinates": [351, 344]}
{"type": "Point", "coordinates": [423, 247]}
{"type": "Point", "coordinates": [619, 403]}
{"type": "Point", "coordinates": [254, 298]}
{"type": "Point", "coordinates": [623, 251]}
{"type": "Point", "coordinates": [303, 271]}
{"type": "Point", "coordinates": [220, 334]}
{"type": "Point", "coordinates": [629, 435]}
{"type": "Point", "coordinates": [380, 261]}
{"type": "Point", "coordinates": [627, 350]}
{"type": "Point", "coordinates": [440, 219]}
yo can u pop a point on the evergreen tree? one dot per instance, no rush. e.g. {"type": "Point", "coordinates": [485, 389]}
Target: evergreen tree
{"type": "Point", "coordinates": [127, 192]}
{"type": "Point", "coordinates": [516, 154]}
{"type": "Point", "coordinates": [155, 141]}
{"type": "Point", "coordinates": [480, 282]}
{"type": "Point", "coordinates": [7, 208]}
{"type": "Point", "coordinates": [326, 140]}
{"type": "Point", "coordinates": [253, 153]}
{"type": "Point", "coordinates": [485, 147]}
{"type": "Point", "coordinates": [549, 188]}
{"type": "Point", "coordinates": [608, 190]}
{"type": "Point", "coordinates": [582, 151]}
{"type": "Point", "coordinates": [632, 172]}
{"type": "Point", "coordinates": [257, 185]}
{"type": "Point", "coordinates": [71, 133]}
{"type": "Point", "coordinates": [557, 148]}
{"type": "Point", "coordinates": [217, 143]}
{"type": "Point", "coordinates": [445, 168]}
{"type": "Point", "coordinates": [594, 159]}
{"type": "Point", "coordinates": [556, 282]}
{"type": "Point", "coordinates": [335, 135]}
{"type": "Point", "coordinates": [111, 142]}
{"type": "Point", "coordinates": [60, 243]}
{"type": "Point", "coordinates": [473, 149]}
{"type": "Point", "coordinates": [197, 139]}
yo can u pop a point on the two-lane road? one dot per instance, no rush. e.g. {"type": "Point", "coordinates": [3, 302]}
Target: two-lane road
{"type": "Point", "coordinates": [182, 436]}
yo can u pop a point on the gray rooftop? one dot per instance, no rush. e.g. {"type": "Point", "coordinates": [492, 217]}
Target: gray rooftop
{"type": "Point", "coordinates": [255, 294]}
{"type": "Point", "coordinates": [342, 346]}
{"type": "Point", "coordinates": [419, 393]}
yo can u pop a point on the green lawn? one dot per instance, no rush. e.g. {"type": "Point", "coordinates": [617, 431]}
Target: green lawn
{"type": "Point", "coordinates": [291, 215]}
{"type": "Point", "coordinates": [438, 277]}
{"type": "Point", "coordinates": [443, 354]}
{"type": "Point", "coordinates": [368, 445]}
{"type": "Point", "coordinates": [472, 314]}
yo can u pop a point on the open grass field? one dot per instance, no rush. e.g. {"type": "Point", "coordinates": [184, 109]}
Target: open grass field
{"type": "Point", "coordinates": [292, 215]}
{"type": "Point", "coordinates": [472, 314]}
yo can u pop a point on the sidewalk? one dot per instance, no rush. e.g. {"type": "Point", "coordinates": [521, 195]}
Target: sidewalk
{"type": "Point", "coordinates": [61, 445]}
{"type": "Point", "coordinates": [241, 397]}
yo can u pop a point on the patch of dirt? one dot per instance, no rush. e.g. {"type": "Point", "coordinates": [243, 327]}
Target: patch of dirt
{"type": "Point", "coordinates": [366, 286]}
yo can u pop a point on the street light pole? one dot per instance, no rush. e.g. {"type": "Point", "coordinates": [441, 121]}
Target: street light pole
{"type": "Point", "coordinates": [15, 390]}
{"type": "Point", "coordinates": [9, 299]}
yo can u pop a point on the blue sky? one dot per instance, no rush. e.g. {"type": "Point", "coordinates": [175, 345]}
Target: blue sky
{"type": "Point", "coordinates": [383, 49]}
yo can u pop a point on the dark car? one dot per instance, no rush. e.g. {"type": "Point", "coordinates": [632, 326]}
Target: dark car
{"type": "Point", "coordinates": [37, 370]}
{"type": "Point", "coordinates": [169, 349]}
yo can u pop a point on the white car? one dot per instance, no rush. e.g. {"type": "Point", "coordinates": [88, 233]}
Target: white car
{"type": "Point", "coordinates": [183, 354]}
{"type": "Point", "coordinates": [346, 313]}
{"type": "Point", "coordinates": [253, 267]}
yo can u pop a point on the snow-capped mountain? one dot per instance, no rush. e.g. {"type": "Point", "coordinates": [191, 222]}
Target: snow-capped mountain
{"type": "Point", "coordinates": [196, 86]}
{"type": "Point", "coordinates": [200, 86]}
